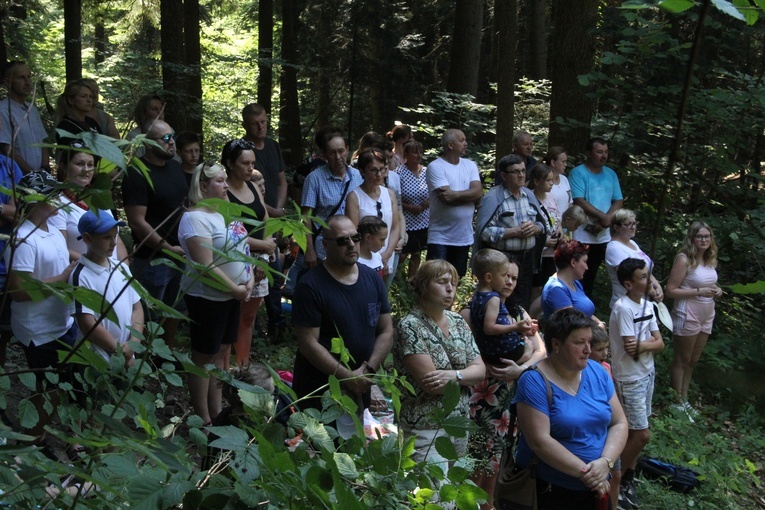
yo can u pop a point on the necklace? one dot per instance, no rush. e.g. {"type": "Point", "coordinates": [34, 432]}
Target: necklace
{"type": "Point", "coordinates": [579, 379]}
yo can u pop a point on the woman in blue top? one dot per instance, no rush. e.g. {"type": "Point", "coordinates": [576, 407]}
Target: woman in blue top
{"type": "Point", "coordinates": [564, 288]}
{"type": "Point", "coordinates": [578, 437]}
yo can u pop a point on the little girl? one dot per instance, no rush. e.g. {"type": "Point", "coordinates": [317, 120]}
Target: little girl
{"type": "Point", "coordinates": [373, 232]}
{"type": "Point", "coordinates": [571, 219]}
{"type": "Point", "coordinates": [599, 352]}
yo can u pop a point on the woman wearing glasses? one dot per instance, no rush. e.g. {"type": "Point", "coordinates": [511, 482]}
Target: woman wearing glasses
{"type": "Point", "coordinates": [623, 228]}
{"type": "Point", "coordinates": [693, 285]}
{"type": "Point", "coordinates": [213, 309]}
{"type": "Point", "coordinates": [239, 159]}
{"type": "Point", "coordinates": [374, 199]}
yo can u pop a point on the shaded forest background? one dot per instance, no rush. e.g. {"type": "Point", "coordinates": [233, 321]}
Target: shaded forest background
{"type": "Point", "coordinates": [676, 87]}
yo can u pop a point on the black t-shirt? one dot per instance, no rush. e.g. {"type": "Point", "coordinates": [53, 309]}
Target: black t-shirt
{"type": "Point", "coordinates": [169, 191]}
{"type": "Point", "coordinates": [270, 162]}
{"type": "Point", "coordinates": [75, 127]}
{"type": "Point", "coordinates": [257, 207]}
{"type": "Point", "coordinates": [348, 311]}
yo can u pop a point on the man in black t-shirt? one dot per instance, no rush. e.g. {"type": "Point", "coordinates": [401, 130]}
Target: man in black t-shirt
{"type": "Point", "coordinates": [153, 212]}
{"type": "Point", "coordinates": [340, 298]}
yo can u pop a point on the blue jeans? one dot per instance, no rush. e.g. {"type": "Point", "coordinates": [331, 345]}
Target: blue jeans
{"type": "Point", "coordinates": [162, 281]}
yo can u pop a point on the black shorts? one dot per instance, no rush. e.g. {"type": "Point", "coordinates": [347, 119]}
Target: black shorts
{"type": "Point", "coordinates": [417, 242]}
{"type": "Point", "coordinates": [213, 323]}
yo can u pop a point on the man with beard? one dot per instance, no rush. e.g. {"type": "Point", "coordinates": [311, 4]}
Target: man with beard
{"type": "Point", "coordinates": [153, 212]}
{"type": "Point", "coordinates": [595, 188]}
{"type": "Point", "coordinates": [340, 298]}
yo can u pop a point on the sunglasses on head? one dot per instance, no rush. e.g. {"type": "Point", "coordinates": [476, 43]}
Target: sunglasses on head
{"type": "Point", "coordinates": [345, 240]}
{"type": "Point", "coordinates": [166, 138]}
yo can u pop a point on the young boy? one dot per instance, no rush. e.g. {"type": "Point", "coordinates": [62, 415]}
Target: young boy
{"type": "Point", "coordinates": [571, 219]}
{"type": "Point", "coordinates": [497, 337]}
{"type": "Point", "coordinates": [97, 271]}
{"type": "Point", "coordinates": [635, 338]}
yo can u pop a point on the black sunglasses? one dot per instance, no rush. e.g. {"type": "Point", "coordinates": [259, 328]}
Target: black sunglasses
{"type": "Point", "coordinates": [379, 209]}
{"type": "Point", "coordinates": [345, 240]}
{"type": "Point", "coordinates": [166, 138]}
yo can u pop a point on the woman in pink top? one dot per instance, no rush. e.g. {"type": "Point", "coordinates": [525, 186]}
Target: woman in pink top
{"type": "Point", "coordinates": [693, 285]}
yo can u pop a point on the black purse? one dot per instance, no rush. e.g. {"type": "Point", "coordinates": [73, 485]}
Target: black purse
{"type": "Point", "coordinates": [516, 488]}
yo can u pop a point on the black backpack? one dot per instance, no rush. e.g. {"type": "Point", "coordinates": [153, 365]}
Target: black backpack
{"type": "Point", "coordinates": [677, 478]}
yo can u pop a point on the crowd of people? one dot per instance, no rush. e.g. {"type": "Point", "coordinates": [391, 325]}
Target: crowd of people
{"type": "Point", "coordinates": [534, 242]}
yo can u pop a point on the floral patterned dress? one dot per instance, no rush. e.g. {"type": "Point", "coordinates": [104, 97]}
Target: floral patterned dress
{"type": "Point", "coordinates": [490, 409]}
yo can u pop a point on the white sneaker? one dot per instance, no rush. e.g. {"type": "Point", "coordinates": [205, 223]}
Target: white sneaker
{"type": "Point", "coordinates": [681, 409]}
{"type": "Point", "coordinates": [693, 413]}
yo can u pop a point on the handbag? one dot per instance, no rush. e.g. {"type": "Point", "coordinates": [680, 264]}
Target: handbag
{"type": "Point", "coordinates": [516, 488]}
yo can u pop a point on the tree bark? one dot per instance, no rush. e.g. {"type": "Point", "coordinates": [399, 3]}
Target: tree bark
{"type": "Point", "coordinates": [265, 52]}
{"type": "Point", "coordinates": [193, 68]}
{"type": "Point", "coordinates": [505, 26]}
{"type": "Point", "coordinates": [465, 51]}
{"type": "Point", "coordinates": [538, 40]}
{"type": "Point", "coordinates": [99, 43]}
{"type": "Point", "coordinates": [289, 105]}
{"type": "Point", "coordinates": [171, 35]}
{"type": "Point", "coordinates": [73, 39]}
{"type": "Point", "coordinates": [573, 55]}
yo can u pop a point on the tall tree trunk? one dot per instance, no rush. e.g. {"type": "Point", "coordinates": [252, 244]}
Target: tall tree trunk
{"type": "Point", "coordinates": [171, 34]}
{"type": "Point", "coordinates": [289, 105]}
{"type": "Point", "coordinates": [465, 52]}
{"type": "Point", "coordinates": [3, 48]}
{"type": "Point", "coordinates": [538, 40]}
{"type": "Point", "coordinates": [485, 78]}
{"type": "Point", "coordinates": [73, 39]}
{"type": "Point", "coordinates": [265, 52]}
{"type": "Point", "coordinates": [193, 68]}
{"type": "Point", "coordinates": [505, 27]}
{"type": "Point", "coordinates": [573, 55]}
{"type": "Point", "coordinates": [99, 43]}
{"type": "Point", "coordinates": [324, 73]}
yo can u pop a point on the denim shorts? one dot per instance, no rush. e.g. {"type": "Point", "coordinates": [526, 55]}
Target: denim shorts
{"type": "Point", "coordinates": [636, 397]}
{"type": "Point", "coordinates": [162, 281]}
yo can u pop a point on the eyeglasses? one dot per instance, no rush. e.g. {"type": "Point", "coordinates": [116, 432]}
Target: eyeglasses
{"type": "Point", "coordinates": [243, 144]}
{"type": "Point", "coordinates": [345, 240]}
{"type": "Point", "coordinates": [514, 172]}
{"type": "Point", "coordinates": [703, 238]}
{"type": "Point", "coordinates": [166, 138]}
{"type": "Point", "coordinates": [630, 225]}
{"type": "Point", "coordinates": [376, 171]}
{"type": "Point", "coordinates": [78, 144]}
{"type": "Point", "coordinates": [379, 209]}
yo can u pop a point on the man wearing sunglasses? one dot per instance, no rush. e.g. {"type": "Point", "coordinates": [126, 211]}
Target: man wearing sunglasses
{"type": "Point", "coordinates": [153, 212]}
{"type": "Point", "coordinates": [340, 298]}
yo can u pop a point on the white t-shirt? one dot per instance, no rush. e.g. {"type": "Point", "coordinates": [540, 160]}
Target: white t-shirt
{"type": "Point", "coordinates": [562, 194]}
{"type": "Point", "coordinates": [44, 255]}
{"type": "Point", "coordinates": [109, 282]}
{"type": "Point", "coordinates": [451, 225]}
{"type": "Point", "coordinates": [616, 252]}
{"type": "Point", "coordinates": [225, 238]}
{"type": "Point", "coordinates": [67, 219]}
{"type": "Point", "coordinates": [375, 262]}
{"type": "Point", "coordinates": [629, 318]}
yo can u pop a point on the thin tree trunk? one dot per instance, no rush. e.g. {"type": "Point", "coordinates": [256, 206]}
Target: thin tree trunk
{"type": "Point", "coordinates": [505, 24]}
{"type": "Point", "coordinates": [289, 105]}
{"type": "Point", "coordinates": [193, 67]}
{"type": "Point", "coordinates": [99, 43]}
{"type": "Point", "coordinates": [172, 63]}
{"type": "Point", "coordinates": [573, 55]}
{"type": "Point", "coordinates": [538, 40]}
{"type": "Point", "coordinates": [73, 39]}
{"type": "Point", "coordinates": [323, 75]}
{"type": "Point", "coordinates": [465, 52]}
{"type": "Point", "coordinates": [265, 52]}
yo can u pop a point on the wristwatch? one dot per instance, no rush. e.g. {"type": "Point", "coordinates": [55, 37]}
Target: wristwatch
{"type": "Point", "coordinates": [610, 462]}
{"type": "Point", "coordinates": [459, 376]}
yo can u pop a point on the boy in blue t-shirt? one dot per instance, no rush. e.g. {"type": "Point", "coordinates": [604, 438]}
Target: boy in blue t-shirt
{"type": "Point", "coordinates": [635, 337]}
